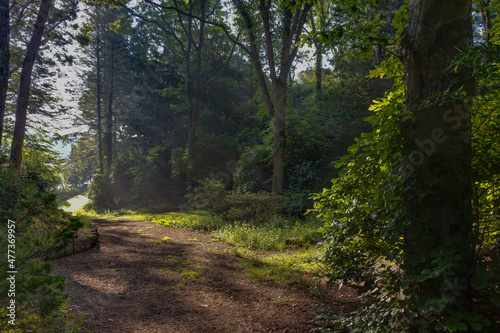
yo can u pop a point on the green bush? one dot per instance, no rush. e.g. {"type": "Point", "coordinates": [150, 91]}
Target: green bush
{"type": "Point", "coordinates": [260, 206]}
{"type": "Point", "coordinates": [101, 193]}
{"type": "Point", "coordinates": [254, 171]}
{"type": "Point", "coordinates": [29, 209]}
{"type": "Point", "coordinates": [211, 195]}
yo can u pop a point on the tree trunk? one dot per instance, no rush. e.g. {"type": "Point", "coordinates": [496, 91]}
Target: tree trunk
{"type": "Point", "coordinates": [319, 69]}
{"type": "Point", "coordinates": [109, 114]}
{"type": "Point", "coordinates": [438, 164]}
{"type": "Point", "coordinates": [279, 146]}
{"type": "Point", "coordinates": [98, 93]}
{"type": "Point", "coordinates": [4, 59]}
{"type": "Point", "coordinates": [486, 16]}
{"type": "Point", "coordinates": [190, 93]}
{"type": "Point", "coordinates": [99, 110]}
{"type": "Point", "coordinates": [195, 103]}
{"type": "Point", "coordinates": [25, 85]}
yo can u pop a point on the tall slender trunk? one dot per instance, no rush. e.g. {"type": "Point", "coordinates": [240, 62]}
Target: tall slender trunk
{"type": "Point", "coordinates": [438, 166]}
{"type": "Point", "coordinates": [191, 102]}
{"type": "Point", "coordinates": [25, 85]}
{"type": "Point", "coordinates": [319, 69]}
{"type": "Point", "coordinates": [195, 102]}
{"type": "Point", "coordinates": [279, 139]}
{"type": "Point", "coordinates": [99, 110]}
{"type": "Point", "coordinates": [109, 114]}
{"type": "Point", "coordinates": [4, 60]}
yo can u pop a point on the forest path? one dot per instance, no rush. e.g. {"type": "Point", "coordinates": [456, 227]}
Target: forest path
{"type": "Point", "coordinates": [132, 281]}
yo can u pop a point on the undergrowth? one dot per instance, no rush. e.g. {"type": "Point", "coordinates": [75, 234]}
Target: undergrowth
{"type": "Point", "coordinates": [293, 242]}
{"type": "Point", "coordinates": [276, 234]}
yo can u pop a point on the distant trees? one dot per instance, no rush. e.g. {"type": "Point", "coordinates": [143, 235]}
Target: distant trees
{"type": "Point", "coordinates": [188, 109]}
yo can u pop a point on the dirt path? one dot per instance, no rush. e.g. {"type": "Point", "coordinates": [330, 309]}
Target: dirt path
{"type": "Point", "coordinates": [131, 281]}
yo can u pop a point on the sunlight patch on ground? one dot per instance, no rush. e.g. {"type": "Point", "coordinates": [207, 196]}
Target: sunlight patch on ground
{"type": "Point", "coordinates": [76, 203]}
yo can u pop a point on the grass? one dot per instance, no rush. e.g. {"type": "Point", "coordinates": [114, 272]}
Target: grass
{"type": "Point", "coordinates": [287, 267]}
{"type": "Point", "coordinates": [267, 273]}
{"type": "Point", "coordinates": [276, 234]}
{"type": "Point", "coordinates": [291, 240]}
{"type": "Point", "coordinates": [60, 321]}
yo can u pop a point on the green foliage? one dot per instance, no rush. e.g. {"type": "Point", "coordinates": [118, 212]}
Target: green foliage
{"type": "Point", "coordinates": [260, 206]}
{"type": "Point", "coordinates": [40, 228]}
{"type": "Point", "coordinates": [357, 219]}
{"type": "Point", "coordinates": [365, 221]}
{"type": "Point", "coordinates": [179, 161]}
{"type": "Point", "coordinates": [210, 195]}
{"type": "Point", "coordinates": [101, 193]}
{"type": "Point", "coordinates": [254, 170]}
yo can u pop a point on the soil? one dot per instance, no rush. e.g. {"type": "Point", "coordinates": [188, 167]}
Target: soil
{"type": "Point", "coordinates": [132, 281]}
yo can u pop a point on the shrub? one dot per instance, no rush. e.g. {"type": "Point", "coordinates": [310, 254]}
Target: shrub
{"type": "Point", "coordinates": [29, 209]}
{"type": "Point", "coordinates": [260, 206]}
{"type": "Point", "coordinates": [209, 195]}
{"type": "Point", "coordinates": [212, 196]}
{"type": "Point", "coordinates": [254, 170]}
{"type": "Point", "coordinates": [101, 193]}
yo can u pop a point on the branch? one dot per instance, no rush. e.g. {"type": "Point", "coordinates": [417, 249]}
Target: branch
{"type": "Point", "coordinates": [254, 56]}
{"type": "Point", "coordinates": [216, 24]}
{"type": "Point", "coordinates": [264, 10]}
{"type": "Point", "coordinates": [225, 65]}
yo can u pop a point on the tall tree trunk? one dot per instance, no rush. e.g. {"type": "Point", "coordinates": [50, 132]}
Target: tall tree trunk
{"type": "Point", "coordinates": [99, 110]}
{"type": "Point", "coordinates": [4, 60]}
{"type": "Point", "coordinates": [438, 166]}
{"type": "Point", "coordinates": [279, 140]}
{"type": "Point", "coordinates": [25, 85]}
{"type": "Point", "coordinates": [195, 104]}
{"type": "Point", "coordinates": [109, 114]}
{"type": "Point", "coordinates": [190, 93]}
{"type": "Point", "coordinates": [319, 69]}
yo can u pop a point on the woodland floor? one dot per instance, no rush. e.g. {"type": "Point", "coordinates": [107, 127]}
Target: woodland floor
{"type": "Point", "coordinates": [129, 282]}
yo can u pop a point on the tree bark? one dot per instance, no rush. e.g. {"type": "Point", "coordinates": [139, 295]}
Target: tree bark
{"type": "Point", "coordinates": [109, 114]}
{"type": "Point", "coordinates": [4, 60]}
{"type": "Point", "coordinates": [25, 85]}
{"type": "Point", "coordinates": [438, 156]}
{"type": "Point", "coordinates": [194, 91]}
{"type": "Point", "coordinates": [486, 16]}
{"type": "Point", "coordinates": [98, 93]}
{"type": "Point", "coordinates": [279, 138]}
{"type": "Point", "coordinates": [319, 70]}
